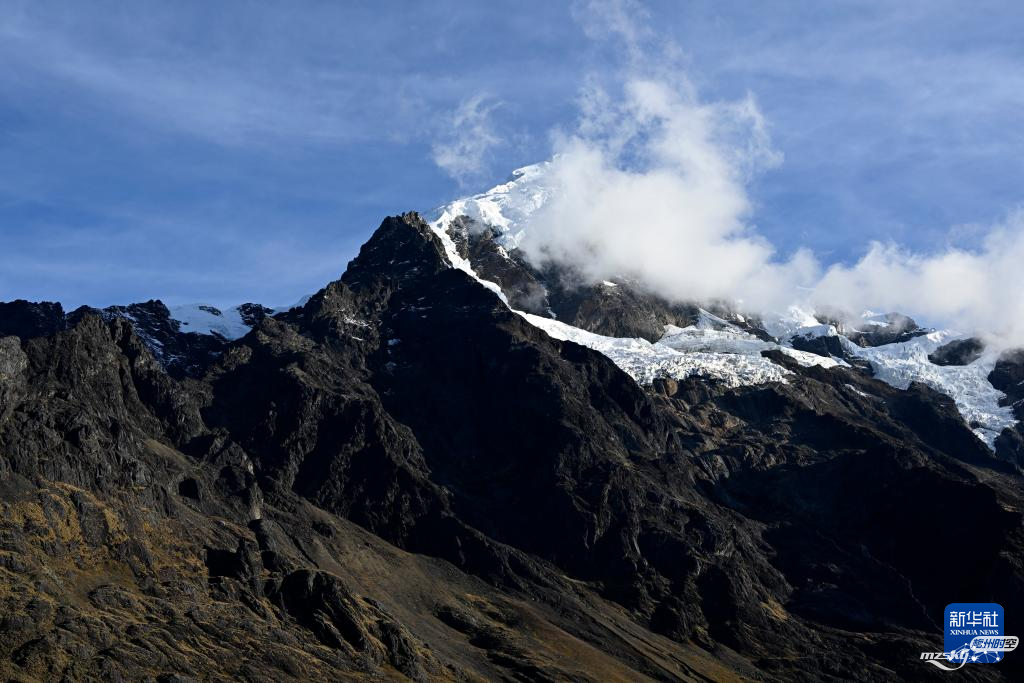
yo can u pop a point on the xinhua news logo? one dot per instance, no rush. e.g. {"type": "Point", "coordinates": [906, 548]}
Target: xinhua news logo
{"type": "Point", "coordinates": [974, 635]}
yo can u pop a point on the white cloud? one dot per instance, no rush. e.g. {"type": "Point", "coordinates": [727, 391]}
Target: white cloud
{"type": "Point", "coordinates": [653, 184]}
{"type": "Point", "coordinates": [464, 150]}
{"type": "Point", "coordinates": [973, 290]}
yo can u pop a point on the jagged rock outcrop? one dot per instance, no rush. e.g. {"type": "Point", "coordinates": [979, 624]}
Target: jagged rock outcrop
{"type": "Point", "coordinates": [403, 479]}
{"type": "Point", "coordinates": [891, 328]}
{"type": "Point", "coordinates": [26, 320]}
{"type": "Point", "coordinates": [958, 352]}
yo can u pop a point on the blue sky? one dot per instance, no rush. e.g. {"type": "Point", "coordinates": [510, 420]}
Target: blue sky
{"type": "Point", "coordinates": [242, 151]}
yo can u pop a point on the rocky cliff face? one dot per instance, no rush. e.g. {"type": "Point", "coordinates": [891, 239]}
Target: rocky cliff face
{"type": "Point", "coordinates": [403, 479]}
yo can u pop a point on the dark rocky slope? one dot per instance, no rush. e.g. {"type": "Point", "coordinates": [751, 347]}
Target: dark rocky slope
{"type": "Point", "coordinates": [403, 479]}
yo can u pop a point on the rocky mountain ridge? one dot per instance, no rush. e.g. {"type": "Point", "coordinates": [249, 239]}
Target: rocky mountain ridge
{"type": "Point", "coordinates": [403, 478]}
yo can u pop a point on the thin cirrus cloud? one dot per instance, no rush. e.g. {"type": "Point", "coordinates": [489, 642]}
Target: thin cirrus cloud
{"type": "Point", "coordinates": [223, 94]}
{"type": "Point", "coordinates": [465, 148]}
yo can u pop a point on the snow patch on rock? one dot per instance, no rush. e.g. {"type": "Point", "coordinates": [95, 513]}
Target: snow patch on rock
{"type": "Point", "coordinates": [207, 319]}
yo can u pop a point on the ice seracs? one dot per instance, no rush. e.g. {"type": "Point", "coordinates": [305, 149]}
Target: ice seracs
{"type": "Point", "coordinates": [727, 354]}
{"type": "Point", "coordinates": [644, 361]}
{"type": "Point", "coordinates": [901, 363]}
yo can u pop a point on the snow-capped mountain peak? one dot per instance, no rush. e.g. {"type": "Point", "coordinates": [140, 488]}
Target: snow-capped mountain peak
{"type": "Point", "coordinates": [505, 207]}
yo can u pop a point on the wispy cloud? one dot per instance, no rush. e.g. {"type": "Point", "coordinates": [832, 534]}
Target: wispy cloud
{"type": "Point", "coordinates": [621, 20]}
{"type": "Point", "coordinates": [464, 148]}
{"type": "Point", "coordinates": [216, 99]}
{"type": "Point", "coordinates": [280, 78]}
